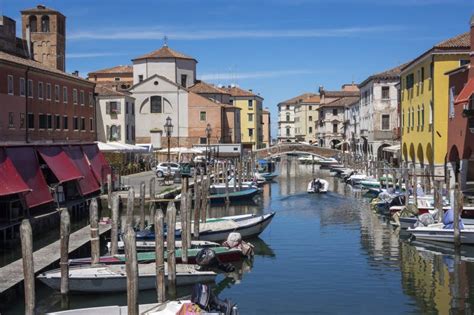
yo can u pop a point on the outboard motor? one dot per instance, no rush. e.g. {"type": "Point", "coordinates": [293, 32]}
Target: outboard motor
{"type": "Point", "coordinates": [207, 258]}
{"type": "Point", "coordinates": [206, 300]}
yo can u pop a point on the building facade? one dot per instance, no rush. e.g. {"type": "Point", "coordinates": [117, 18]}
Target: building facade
{"type": "Point", "coordinates": [306, 115]}
{"type": "Point", "coordinates": [286, 117]}
{"type": "Point", "coordinates": [266, 128]}
{"type": "Point", "coordinates": [424, 103]}
{"type": "Point", "coordinates": [378, 112]}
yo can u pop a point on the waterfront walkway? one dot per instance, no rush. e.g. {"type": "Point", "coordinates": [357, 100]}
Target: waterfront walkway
{"type": "Point", "coordinates": [12, 274]}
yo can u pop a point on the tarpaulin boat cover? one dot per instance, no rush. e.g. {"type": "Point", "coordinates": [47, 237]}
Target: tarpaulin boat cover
{"type": "Point", "coordinates": [10, 181]}
{"type": "Point", "coordinates": [26, 163]}
{"type": "Point", "coordinates": [99, 164]}
{"type": "Point", "coordinates": [88, 183]}
{"type": "Point", "coordinates": [59, 163]}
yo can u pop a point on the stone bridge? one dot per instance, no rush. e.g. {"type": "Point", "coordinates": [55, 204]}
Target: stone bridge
{"type": "Point", "coordinates": [294, 148]}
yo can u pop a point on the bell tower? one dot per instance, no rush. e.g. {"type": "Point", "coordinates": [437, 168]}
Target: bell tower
{"type": "Point", "coordinates": [45, 30]}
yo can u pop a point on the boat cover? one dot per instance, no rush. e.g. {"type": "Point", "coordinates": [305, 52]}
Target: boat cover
{"type": "Point", "coordinates": [448, 220]}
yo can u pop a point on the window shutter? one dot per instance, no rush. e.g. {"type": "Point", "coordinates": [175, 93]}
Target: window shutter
{"type": "Point", "coordinates": [118, 107]}
{"type": "Point", "coordinates": [119, 132]}
{"type": "Point", "coordinates": [107, 133]}
{"type": "Point", "coordinates": [107, 107]}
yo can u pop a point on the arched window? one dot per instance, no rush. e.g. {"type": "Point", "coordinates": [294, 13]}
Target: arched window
{"type": "Point", "coordinates": [33, 22]}
{"type": "Point", "coordinates": [156, 105]}
{"type": "Point", "coordinates": [45, 24]}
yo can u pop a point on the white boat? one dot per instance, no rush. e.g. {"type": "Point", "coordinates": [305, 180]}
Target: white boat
{"type": "Point", "coordinates": [113, 278]}
{"type": "Point", "coordinates": [436, 232]}
{"type": "Point", "coordinates": [313, 186]}
{"type": "Point", "coordinates": [356, 179]}
{"type": "Point", "coordinates": [150, 245]}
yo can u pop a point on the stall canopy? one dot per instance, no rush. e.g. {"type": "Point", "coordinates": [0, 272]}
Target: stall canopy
{"type": "Point", "coordinates": [26, 163]}
{"type": "Point", "coordinates": [99, 164]}
{"type": "Point", "coordinates": [88, 184]}
{"type": "Point", "coordinates": [10, 181]}
{"type": "Point", "coordinates": [59, 163]}
{"type": "Point", "coordinates": [120, 147]}
{"type": "Point", "coordinates": [392, 149]}
{"type": "Point", "coordinates": [181, 150]}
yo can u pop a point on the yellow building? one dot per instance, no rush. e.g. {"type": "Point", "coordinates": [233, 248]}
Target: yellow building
{"type": "Point", "coordinates": [250, 105]}
{"type": "Point", "coordinates": [424, 103]}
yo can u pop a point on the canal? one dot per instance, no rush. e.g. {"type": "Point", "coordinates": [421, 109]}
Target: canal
{"type": "Point", "coordinates": [325, 254]}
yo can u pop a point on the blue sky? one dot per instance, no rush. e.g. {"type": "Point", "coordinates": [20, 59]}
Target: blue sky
{"type": "Point", "coordinates": [278, 48]}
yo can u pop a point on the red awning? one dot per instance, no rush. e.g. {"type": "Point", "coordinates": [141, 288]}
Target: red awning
{"type": "Point", "coordinates": [88, 184]}
{"type": "Point", "coordinates": [26, 163]}
{"type": "Point", "coordinates": [466, 93]}
{"type": "Point", "coordinates": [99, 164]}
{"type": "Point", "coordinates": [59, 163]}
{"type": "Point", "coordinates": [10, 181]}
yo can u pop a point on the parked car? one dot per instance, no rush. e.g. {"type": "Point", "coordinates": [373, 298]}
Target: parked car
{"type": "Point", "coordinates": [166, 168]}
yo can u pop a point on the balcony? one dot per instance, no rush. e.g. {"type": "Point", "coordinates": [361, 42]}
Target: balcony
{"type": "Point", "coordinates": [383, 134]}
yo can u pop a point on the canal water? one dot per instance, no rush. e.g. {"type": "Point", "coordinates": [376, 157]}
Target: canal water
{"type": "Point", "coordinates": [325, 254]}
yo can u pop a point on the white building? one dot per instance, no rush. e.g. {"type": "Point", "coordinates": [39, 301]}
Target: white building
{"type": "Point", "coordinates": [115, 112]}
{"type": "Point", "coordinates": [378, 111]}
{"type": "Point", "coordinates": [286, 117]}
{"type": "Point", "coordinates": [352, 128]}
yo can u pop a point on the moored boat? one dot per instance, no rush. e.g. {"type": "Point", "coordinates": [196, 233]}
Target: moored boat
{"type": "Point", "coordinates": [437, 232]}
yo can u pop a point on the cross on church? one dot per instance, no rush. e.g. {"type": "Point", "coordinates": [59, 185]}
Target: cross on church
{"type": "Point", "coordinates": [165, 40]}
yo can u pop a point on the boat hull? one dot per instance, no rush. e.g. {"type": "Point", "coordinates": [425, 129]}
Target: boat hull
{"type": "Point", "coordinates": [441, 235]}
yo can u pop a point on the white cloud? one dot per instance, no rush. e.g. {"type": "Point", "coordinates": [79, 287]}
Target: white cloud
{"type": "Point", "coordinates": [252, 75]}
{"type": "Point", "coordinates": [230, 34]}
{"type": "Point", "coordinates": [92, 55]}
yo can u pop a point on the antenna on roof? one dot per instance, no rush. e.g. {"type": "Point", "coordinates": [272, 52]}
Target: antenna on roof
{"type": "Point", "coordinates": [165, 41]}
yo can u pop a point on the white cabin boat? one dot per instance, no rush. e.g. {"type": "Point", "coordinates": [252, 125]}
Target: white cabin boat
{"type": "Point", "coordinates": [436, 232]}
{"type": "Point", "coordinates": [314, 187]}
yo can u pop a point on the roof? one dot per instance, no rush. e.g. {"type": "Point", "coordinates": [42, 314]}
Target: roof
{"type": "Point", "coordinates": [104, 90]}
{"type": "Point", "coordinates": [298, 98]}
{"type": "Point", "coordinates": [333, 94]}
{"type": "Point", "coordinates": [312, 99]}
{"type": "Point", "coordinates": [116, 69]}
{"type": "Point", "coordinates": [465, 93]}
{"type": "Point", "coordinates": [202, 87]}
{"type": "Point", "coordinates": [165, 52]}
{"type": "Point", "coordinates": [342, 102]}
{"type": "Point", "coordinates": [159, 77]}
{"type": "Point", "coordinates": [391, 74]}
{"type": "Point", "coordinates": [37, 65]}
{"type": "Point", "coordinates": [459, 42]}
{"type": "Point", "coordinates": [238, 92]}
{"type": "Point", "coordinates": [40, 9]}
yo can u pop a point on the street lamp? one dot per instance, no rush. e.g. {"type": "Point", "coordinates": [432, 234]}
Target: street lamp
{"type": "Point", "coordinates": [208, 136]}
{"type": "Point", "coordinates": [168, 129]}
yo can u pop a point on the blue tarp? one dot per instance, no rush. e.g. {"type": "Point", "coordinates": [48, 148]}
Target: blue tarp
{"type": "Point", "coordinates": [448, 220]}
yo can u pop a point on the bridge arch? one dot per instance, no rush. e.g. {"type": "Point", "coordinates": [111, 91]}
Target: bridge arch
{"type": "Point", "coordinates": [294, 148]}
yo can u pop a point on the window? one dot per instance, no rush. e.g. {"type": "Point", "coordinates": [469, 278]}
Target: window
{"type": "Point", "coordinates": [43, 123]}
{"type": "Point", "coordinates": [310, 118]}
{"type": "Point", "coordinates": [250, 104]}
{"type": "Point", "coordinates": [334, 112]}
{"type": "Point", "coordinates": [410, 81]}
{"type": "Point", "coordinates": [287, 117]}
{"type": "Point", "coordinates": [56, 93]}
{"type": "Point", "coordinates": [33, 23]}
{"type": "Point", "coordinates": [288, 131]}
{"type": "Point", "coordinates": [140, 78]}
{"type": "Point", "coordinates": [310, 129]}
{"type": "Point", "coordinates": [385, 122]}
{"type": "Point", "coordinates": [287, 107]}
{"type": "Point", "coordinates": [334, 128]}
{"type": "Point", "coordinates": [184, 79]}
{"type": "Point", "coordinates": [203, 140]}
{"type": "Point", "coordinates": [385, 92]}
{"type": "Point", "coordinates": [91, 124]}
{"type": "Point", "coordinates": [40, 90]}
{"type": "Point", "coordinates": [250, 117]}
{"type": "Point", "coordinates": [422, 79]}
{"type": "Point", "coordinates": [155, 104]}
{"type": "Point", "coordinates": [463, 62]}
{"type": "Point", "coordinates": [75, 123]}
{"type": "Point", "coordinates": [10, 84]}
{"type": "Point", "coordinates": [45, 24]}
{"type": "Point", "coordinates": [22, 120]}
{"type": "Point", "coordinates": [202, 116]}
{"type": "Point", "coordinates": [50, 121]}
{"type": "Point", "coordinates": [117, 79]}
{"type": "Point", "coordinates": [451, 102]}
{"type": "Point", "coordinates": [91, 99]}
{"type": "Point", "coordinates": [133, 108]}
{"type": "Point", "coordinates": [74, 96]}
{"type": "Point", "coordinates": [418, 117]}
{"type": "Point", "coordinates": [250, 132]}
{"type": "Point", "coordinates": [65, 123]}
{"type": "Point", "coordinates": [83, 124]}
{"type": "Point", "coordinates": [81, 98]}
{"type": "Point", "coordinates": [133, 133]}
{"type": "Point", "coordinates": [22, 87]}
{"type": "Point", "coordinates": [412, 118]}
{"type": "Point", "coordinates": [30, 88]}
{"type": "Point", "coordinates": [48, 91]}
{"type": "Point", "coordinates": [422, 115]}
{"type": "Point", "coordinates": [65, 100]}
{"type": "Point", "coordinates": [57, 122]}
{"type": "Point", "coordinates": [126, 107]}
{"type": "Point", "coordinates": [31, 121]}
{"type": "Point", "coordinates": [310, 107]}
{"type": "Point", "coordinates": [114, 133]}
{"type": "Point", "coordinates": [127, 132]}
{"type": "Point", "coordinates": [10, 120]}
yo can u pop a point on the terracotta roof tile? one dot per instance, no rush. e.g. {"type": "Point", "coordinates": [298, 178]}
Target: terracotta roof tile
{"type": "Point", "coordinates": [334, 94]}
{"type": "Point", "coordinates": [104, 90]}
{"type": "Point", "coordinates": [117, 69]}
{"type": "Point", "coordinates": [202, 87]}
{"type": "Point", "coordinates": [342, 102]}
{"type": "Point", "coordinates": [165, 52]}
{"type": "Point", "coordinates": [393, 73]}
{"type": "Point", "coordinates": [312, 99]}
{"type": "Point", "coordinates": [298, 98]}
{"type": "Point", "coordinates": [459, 41]}
{"type": "Point", "coordinates": [236, 91]}
{"type": "Point", "coordinates": [40, 9]}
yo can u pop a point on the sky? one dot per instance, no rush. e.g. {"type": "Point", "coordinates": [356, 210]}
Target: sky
{"type": "Point", "coordinates": [278, 48]}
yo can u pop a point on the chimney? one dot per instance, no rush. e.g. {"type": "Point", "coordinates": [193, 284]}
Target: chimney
{"type": "Point", "coordinates": [471, 69]}
{"type": "Point", "coordinates": [75, 73]}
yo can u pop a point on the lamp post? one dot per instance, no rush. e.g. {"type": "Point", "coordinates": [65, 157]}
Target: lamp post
{"type": "Point", "coordinates": [168, 129]}
{"type": "Point", "coordinates": [208, 136]}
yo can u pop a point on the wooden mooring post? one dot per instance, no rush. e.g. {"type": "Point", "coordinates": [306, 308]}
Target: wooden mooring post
{"type": "Point", "coordinates": [160, 256]}
{"type": "Point", "coordinates": [114, 225]}
{"type": "Point", "coordinates": [458, 207]}
{"type": "Point", "coordinates": [142, 205]}
{"type": "Point", "coordinates": [109, 189]}
{"type": "Point", "coordinates": [26, 237]}
{"type": "Point", "coordinates": [131, 267]}
{"type": "Point", "coordinates": [197, 205]}
{"type": "Point", "coordinates": [226, 182]}
{"type": "Point", "coordinates": [171, 249]}
{"type": "Point", "coordinates": [64, 232]}
{"type": "Point", "coordinates": [130, 204]}
{"type": "Point", "coordinates": [152, 189]}
{"type": "Point", "coordinates": [94, 223]}
{"type": "Point", "coordinates": [184, 222]}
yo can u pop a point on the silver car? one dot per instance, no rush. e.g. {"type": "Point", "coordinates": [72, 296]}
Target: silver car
{"type": "Point", "coordinates": [167, 168]}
